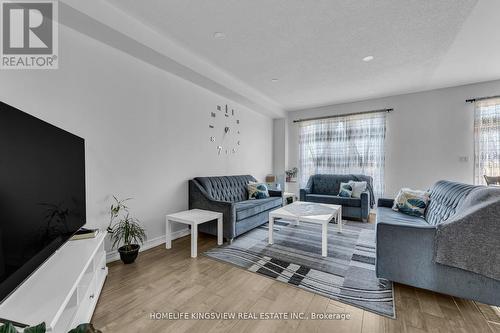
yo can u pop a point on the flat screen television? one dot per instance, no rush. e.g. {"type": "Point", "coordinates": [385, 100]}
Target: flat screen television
{"type": "Point", "coordinates": [42, 193]}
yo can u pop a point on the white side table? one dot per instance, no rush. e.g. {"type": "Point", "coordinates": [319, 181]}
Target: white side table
{"type": "Point", "coordinates": [193, 217]}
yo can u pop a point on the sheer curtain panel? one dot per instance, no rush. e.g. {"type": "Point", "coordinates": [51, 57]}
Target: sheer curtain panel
{"type": "Point", "coordinates": [486, 139]}
{"type": "Point", "coordinates": [344, 145]}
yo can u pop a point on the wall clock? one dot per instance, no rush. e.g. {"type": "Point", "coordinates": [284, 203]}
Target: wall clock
{"type": "Point", "coordinates": [225, 130]}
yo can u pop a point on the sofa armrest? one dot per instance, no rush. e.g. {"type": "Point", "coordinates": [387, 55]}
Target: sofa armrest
{"type": "Point", "coordinates": [304, 192]}
{"type": "Point", "coordinates": [199, 198]}
{"type": "Point", "coordinates": [385, 203]}
{"type": "Point", "coordinates": [404, 251]}
{"type": "Point", "coordinates": [275, 193]}
{"type": "Point", "coordinates": [365, 204]}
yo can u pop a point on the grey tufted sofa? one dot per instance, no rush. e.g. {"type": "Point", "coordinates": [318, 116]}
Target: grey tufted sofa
{"type": "Point", "coordinates": [324, 188]}
{"type": "Point", "coordinates": [406, 245]}
{"type": "Point", "coordinates": [229, 195]}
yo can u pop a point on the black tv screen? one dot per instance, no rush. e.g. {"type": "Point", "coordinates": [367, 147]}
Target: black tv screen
{"type": "Point", "coordinates": [42, 193]}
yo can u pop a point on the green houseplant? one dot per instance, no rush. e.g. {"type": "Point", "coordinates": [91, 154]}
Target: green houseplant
{"type": "Point", "coordinates": [116, 208]}
{"type": "Point", "coordinates": [126, 233]}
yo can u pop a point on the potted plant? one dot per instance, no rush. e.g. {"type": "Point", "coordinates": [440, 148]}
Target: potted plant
{"type": "Point", "coordinates": [116, 207]}
{"type": "Point", "coordinates": [129, 233]}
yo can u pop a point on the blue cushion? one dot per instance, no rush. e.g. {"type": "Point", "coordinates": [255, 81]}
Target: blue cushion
{"type": "Point", "coordinates": [248, 208]}
{"type": "Point", "coordinates": [389, 216]}
{"type": "Point", "coordinates": [334, 200]}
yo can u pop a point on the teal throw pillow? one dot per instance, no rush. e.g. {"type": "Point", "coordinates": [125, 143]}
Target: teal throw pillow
{"type": "Point", "coordinates": [257, 191]}
{"type": "Point", "coordinates": [411, 202]}
{"type": "Point", "coordinates": [345, 190]}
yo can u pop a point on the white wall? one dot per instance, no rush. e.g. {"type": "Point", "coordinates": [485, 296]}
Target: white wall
{"type": "Point", "coordinates": [146, 130]}
{"type": "Point", "coordinates": [427, 133]}
{"type": "Point", "coordinates": [279, 149]}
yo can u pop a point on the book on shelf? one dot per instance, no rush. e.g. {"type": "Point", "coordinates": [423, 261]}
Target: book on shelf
{"type": "Point", "coordinates": [85, 233]}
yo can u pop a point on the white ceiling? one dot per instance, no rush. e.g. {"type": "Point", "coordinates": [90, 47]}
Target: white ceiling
{"type": "Point", "coordinates": [315, 47]}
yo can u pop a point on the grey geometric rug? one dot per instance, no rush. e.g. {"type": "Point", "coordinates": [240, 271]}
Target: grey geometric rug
{"type": "Point", "coordinates": [346, 275]}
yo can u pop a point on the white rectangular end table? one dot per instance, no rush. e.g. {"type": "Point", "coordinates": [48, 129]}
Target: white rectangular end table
{"type": "Point", "coordinates": [311, 212]}
{"type": "Point", "coordinates": [193, 217]}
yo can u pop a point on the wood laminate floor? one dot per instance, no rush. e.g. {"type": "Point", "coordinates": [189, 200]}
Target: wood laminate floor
{"type": "Point", "coordinates": [170, 281]}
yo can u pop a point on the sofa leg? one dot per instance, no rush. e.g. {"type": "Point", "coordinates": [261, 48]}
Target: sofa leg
{"type": "Point", "coordinates": [230, 241]}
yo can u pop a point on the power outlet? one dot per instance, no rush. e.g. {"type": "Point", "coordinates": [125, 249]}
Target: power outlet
{"type": "Point", "coordinates": [463, 159]}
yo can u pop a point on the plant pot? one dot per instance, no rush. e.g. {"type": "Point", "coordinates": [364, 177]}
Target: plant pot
{"type": "Point", "coordinates": [129, 254]}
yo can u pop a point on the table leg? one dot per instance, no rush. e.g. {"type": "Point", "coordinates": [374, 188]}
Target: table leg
{"type": "Point", "coordinates": [219, 231]}
{"type": "Point", "coordinates": [324, 242]}
{"type": "Point", "coordinates": [271, 227]}
{"type": "Point", "coordinates": [339, 219]}
{"type": "Point", "coordinates": [168, 234]}
{"type": "Point", "coordinates": [194, 240]}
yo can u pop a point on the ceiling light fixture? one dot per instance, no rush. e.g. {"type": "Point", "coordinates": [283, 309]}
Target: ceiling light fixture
{"type": "Point", "coordinates": [274, 80]}
{"type": "Point", "coordinates": [219, 35]}
{"type": "Point", "coordinates": [368, 58]}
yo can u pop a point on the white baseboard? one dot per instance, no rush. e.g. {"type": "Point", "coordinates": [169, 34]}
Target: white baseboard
{"type": "Point", "coordinates": [150, 243]}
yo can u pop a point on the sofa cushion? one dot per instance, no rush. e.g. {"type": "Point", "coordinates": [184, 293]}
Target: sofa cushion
{"type": "Point", "coordinates": [226, 188]}
{"type": "Point", "coordinates": [257, 191]}
{"type": "Point", "coordinates": [345, 190]}
{"type": "Point", "coordinates": [411, 202]}
{"type": "Point", "coordinates": [445, 198]}
{"type": "Point", "coordinates": [334, 200]}
{"type": "Point", "coordinates": [387, 215]}
{"type": "Point", "coordinates": [357, 188]}
{"type": "Point", "coordinates": [248, 208]}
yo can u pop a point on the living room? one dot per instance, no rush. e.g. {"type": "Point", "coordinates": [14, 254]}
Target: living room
{"type": "Point", "coordinates": [177, 107]}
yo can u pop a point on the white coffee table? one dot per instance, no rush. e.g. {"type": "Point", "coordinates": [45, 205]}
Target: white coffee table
{"type": "Point", "coordinates": [193, 217]}
{"type": "Point", "coordinates": [300, 211]}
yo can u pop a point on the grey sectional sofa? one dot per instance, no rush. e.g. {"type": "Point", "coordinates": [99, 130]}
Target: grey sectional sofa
{"type": "Point", "coordinates": [325, 188]}
{"type": "Point", "coordinates": [229, 195]}
{"type": "Point", "coordinates": [454, 250]}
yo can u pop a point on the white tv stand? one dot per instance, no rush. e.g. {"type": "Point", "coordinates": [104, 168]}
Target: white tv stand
{"type": "Point", "coordinates": [63, 292]}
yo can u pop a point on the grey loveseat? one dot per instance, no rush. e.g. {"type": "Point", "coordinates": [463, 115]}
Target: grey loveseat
{"type": "Point", "coordinates": [454, 250]}
{"type": "Point", "coordinates": [325, 189]}
{"type": "Point", "coordinates": [229, 195]}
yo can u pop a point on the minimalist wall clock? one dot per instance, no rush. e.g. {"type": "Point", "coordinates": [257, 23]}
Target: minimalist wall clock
{"type": "Point", "coordinates": [224, 130]}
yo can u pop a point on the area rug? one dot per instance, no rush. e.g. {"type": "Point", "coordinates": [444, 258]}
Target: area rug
{"type": "Point", "coordinates": [346, 275]}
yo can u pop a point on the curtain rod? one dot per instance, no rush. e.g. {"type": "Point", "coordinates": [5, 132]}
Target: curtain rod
{"type": "Point", "coordinates": [343, 115]}
{"type": "Point", "coordinates": [472, 100]}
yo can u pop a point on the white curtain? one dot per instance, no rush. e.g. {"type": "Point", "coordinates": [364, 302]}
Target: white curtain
{"type": "Point", "coordinates": [486, 139]}
{"type": "Point", "coordinates": [344, 145]}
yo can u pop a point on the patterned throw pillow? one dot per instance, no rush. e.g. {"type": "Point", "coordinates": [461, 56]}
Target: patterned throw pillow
{"type": "Point", "coordinates": [411, 202]}
{"type": "Point", "coordinates": [357, 188]}
{"type": "Point", "coordinates": [345, 190]}
{"type": "Point", "coordinates": [257, 191]}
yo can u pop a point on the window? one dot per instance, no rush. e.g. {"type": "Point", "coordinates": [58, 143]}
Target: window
{"type": "Point", "coordinates": [344, 145]}
{"type": "Point", "coordinates": [487, 139]}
